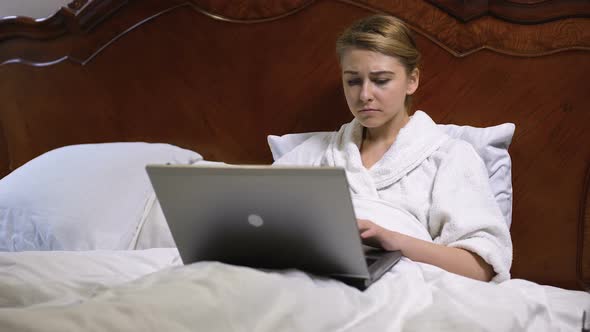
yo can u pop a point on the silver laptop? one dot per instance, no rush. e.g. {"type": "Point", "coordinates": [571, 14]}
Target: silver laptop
{"type": "Point", "coordinates": [268, 217]}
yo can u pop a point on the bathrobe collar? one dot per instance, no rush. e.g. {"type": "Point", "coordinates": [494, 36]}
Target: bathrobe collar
{"type": "Point", "coordinates": [415, 142]}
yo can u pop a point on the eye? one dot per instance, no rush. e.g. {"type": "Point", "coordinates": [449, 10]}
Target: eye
{"type": "Point", "coordinates": [381, 81]}
{"type": "Point", "coordinates": [355, 81]}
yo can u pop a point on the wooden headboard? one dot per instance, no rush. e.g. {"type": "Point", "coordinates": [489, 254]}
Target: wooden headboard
{"type": "Point", "coordinates": [218, 76]}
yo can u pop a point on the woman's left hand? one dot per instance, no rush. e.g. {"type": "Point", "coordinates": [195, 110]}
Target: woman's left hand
{"type": "Point", "coordinates": [377, 236]}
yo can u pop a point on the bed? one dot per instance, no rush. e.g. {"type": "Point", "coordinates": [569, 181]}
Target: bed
{"type": "Point", "coordinates": [91, 94]}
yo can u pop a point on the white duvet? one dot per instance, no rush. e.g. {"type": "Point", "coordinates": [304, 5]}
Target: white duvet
{"type": "Point", "coordinates": [150, 290]}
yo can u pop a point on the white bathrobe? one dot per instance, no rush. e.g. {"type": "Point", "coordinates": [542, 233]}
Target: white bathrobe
{"type": "Point", "coordinates": [426, 185]}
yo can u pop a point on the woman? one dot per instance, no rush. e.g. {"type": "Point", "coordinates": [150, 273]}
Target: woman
{"type": "Point", "coordinates": [408, 161]}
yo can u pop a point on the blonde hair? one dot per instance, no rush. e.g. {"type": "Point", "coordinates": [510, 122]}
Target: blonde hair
{"type": "Point", "coordinates": [383, 34]}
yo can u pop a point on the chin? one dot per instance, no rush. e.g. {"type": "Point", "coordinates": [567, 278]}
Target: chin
{"type": "Point", "coordinates": [370, 123]}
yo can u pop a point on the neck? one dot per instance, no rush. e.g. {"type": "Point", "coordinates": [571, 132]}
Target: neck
{"type": "Point", "coordinates": [387, 133]}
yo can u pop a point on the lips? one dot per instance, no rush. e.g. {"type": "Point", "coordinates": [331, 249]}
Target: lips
{"type": "Point", "coordinates": [368, 110]}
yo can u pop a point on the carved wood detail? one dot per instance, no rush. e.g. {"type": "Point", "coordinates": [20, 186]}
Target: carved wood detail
{"type": "Point", "coordinates": [76, 16]}
{"type": "Point", "coordinates": [486, 33]}
{"type": "Point", "coordinates": [27, 27]}
{"type": "Point", "coordinates": [565, 32]}
{"type": "Point", "coordinates": [521, 12]}
{"type": "Point", "coordinates": [247, 11]}
{"type": "Point", "coordinates": [457, 38]}
{"type": "Point", "coordinates": [77, 4]}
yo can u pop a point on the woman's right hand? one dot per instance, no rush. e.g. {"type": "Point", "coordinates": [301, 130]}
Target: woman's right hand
{"type": "Point", "coordinates": [377, 236]}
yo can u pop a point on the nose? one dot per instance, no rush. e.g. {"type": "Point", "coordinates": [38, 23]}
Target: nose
{"type": "Point", "coordinates": [366, 94]}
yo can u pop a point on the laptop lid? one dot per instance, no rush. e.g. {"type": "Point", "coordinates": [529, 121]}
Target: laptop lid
{"type": "Point", "coordinates": [262, 216]}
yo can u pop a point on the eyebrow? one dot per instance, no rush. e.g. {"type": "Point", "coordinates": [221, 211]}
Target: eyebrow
{"type": "Point", "coordinates": [374, 73]}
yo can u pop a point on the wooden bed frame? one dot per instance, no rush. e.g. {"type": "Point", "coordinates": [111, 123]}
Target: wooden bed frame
{"type": "Point", "coordinates": [218, 76]}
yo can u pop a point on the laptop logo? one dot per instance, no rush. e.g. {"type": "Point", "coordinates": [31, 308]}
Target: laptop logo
{"type": "Point", "coordinates": [255, 220]}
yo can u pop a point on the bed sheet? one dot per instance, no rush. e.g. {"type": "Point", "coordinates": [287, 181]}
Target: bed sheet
{"type": "Point", "coordinates": [151, 290]}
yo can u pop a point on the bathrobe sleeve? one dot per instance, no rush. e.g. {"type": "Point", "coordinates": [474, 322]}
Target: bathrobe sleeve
{"type": "Point", "coordinates": [464, 213]}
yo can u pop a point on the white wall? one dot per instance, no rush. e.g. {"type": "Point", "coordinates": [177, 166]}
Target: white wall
{"type": "Point", "coordinates": [31, 8]}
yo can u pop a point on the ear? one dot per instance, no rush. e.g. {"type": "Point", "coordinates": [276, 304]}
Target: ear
{"type": "Point", "coordinates": [413, 81]}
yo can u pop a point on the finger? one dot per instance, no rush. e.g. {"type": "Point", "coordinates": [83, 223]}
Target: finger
{"type": "Point", "coordinates": [361, 226]}
{"type": "Point", "coordinates": [363, 223]}
{"type": "Point", "coordinates": [371, 241]}
{"type": "Point", "coordinates": [368, 233]}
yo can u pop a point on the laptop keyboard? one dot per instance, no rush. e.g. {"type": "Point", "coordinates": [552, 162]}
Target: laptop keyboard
{"type": "Point", "coordinates": [370, 261]}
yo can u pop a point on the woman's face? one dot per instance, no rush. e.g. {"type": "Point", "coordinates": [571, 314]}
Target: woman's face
{"type": "Point", "coordinates": [375, 86]}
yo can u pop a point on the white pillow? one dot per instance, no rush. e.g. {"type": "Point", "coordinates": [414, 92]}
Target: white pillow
{"type": "Point", "coordinates": [491, 143]}
{"type": "Point", "coordinates": [82, 197]}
